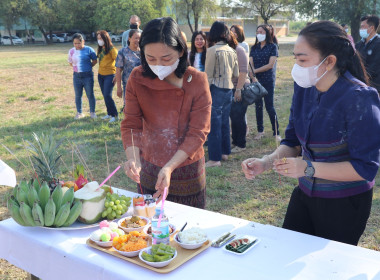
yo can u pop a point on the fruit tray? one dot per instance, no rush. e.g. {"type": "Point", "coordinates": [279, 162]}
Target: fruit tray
{"type": "Point", "coordinates": [182, 257]}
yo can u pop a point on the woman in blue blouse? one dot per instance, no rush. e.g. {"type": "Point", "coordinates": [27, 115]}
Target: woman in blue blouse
{"type": "Point", "coordinates": [263, 57]}
{"type": "Point", "coordinates": [334, 125]}
{"type": "Point", "coordinates": [197, 54]}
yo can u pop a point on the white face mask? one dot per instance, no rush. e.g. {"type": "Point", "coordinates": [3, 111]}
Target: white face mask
{"type": "Point", "coordinates": [261, 37]}
{"type": "Point", "coordinates": [346, 30]}
{"type": "Point", "coordinates": [306, 76]}
{"type": "Point", "coordinates": [163, 71]}
{"type": "Point", "coordinates": [363, 33]}
{"type": "Point", "coordinates": [101, 43]}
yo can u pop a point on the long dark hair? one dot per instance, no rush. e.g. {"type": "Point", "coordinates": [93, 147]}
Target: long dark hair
{"type": "Point", "coordinates": [240, 37]}
{"type": "Point", "coordinates": [193, 50]}
{"type": "Point", "coordinates": [218, 32]}
{"type": "Point", "coordinates": [107, 42]}
{"type": "Point", "coordinates": [274, 38]}
{"type": "Point", "coordinates": [329, 38]}
{"type": "Point", "coordinates": [163, 30]}
{"type": "Point", "coordinates": [268, 36]}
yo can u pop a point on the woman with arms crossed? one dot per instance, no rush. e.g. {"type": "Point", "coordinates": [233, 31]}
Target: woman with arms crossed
{"type": "Point", "coordinates": [167, 118]}
{"type": "Point", "coordinates": [334, 125]}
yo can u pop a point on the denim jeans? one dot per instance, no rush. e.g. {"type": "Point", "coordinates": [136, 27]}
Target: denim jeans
{"type": "Point", "coordinates": [106, 86]}
{"type": "Point", "coordinates": [238, 123]}
{"type": "Point", "coordinates": [84, 80]}
{"type": "Point", "coordinates": [219, 137]}
{"type": "Point", "coordinates": [269, 106]}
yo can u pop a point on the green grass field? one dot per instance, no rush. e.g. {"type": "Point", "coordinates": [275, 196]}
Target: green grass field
{"type": "Point", "coordinates": [36, 95]}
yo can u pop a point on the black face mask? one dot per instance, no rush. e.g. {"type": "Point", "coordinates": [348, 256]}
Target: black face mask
{"type": "Point", "coordinates": [133, 26]}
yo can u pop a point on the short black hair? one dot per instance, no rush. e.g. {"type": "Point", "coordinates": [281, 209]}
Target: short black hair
{"type": "Point", "coordinates": [131, 32]}
{"type": "Point", "coordinates": [218, 32]}
{"type": "Point", "coordinates": [268, 36]}
{"type": "Point", "coordinates": [163, 30]}
{"type": "Point", "coordinates": [372, 20]}
{"type": "Point", "coordinates": [78, 36]}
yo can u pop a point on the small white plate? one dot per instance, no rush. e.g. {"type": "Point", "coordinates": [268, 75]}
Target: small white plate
{"type": "Point", "coordinates": [133, 229]}
{"type": "Point", "coordinates": [156, 264]}
{"type": "Point", "coordinates": [189, 246]}
{"type": "Point", "coordinates": [102, 243]}
{"type": "Point", "coordinates": [249, 237]}
{"type": "Point", "coordinates": [128, 254]}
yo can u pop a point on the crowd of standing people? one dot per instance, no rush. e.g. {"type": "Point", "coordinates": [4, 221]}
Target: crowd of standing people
{"type": "Point", "coordinates": [175, 99]}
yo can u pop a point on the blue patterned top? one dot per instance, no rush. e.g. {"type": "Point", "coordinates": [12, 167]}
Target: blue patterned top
{"type": "Point", "coordinates": [260, 58]}
{"type": "Point", "coordinates": [127, 59]}
{"type": "Point", "coordinates": [341, 124]}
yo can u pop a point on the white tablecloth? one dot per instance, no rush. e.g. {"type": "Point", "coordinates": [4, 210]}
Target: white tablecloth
{"type": "Point", "coordinates": [281, 254]}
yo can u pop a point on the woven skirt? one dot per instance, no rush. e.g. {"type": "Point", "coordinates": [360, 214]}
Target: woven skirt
{"type": "Point", "coordinates": [187, 183]}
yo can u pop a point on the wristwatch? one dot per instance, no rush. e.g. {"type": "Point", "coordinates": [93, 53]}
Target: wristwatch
{"type": "Point", "coordinates": [309, 170]}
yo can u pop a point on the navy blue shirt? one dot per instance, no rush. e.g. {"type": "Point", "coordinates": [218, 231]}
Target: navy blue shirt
{"type": "Point", "coordinates": [260, 58]}
{"type": "Point", "coordinates": [341, 124]}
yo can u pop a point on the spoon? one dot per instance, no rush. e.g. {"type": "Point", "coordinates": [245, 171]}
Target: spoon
{"type": "Point", "coordinates": [178, 238]}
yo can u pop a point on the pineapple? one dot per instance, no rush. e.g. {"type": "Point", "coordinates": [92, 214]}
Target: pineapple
{"type": "Point", "coordinates": [45, 159]}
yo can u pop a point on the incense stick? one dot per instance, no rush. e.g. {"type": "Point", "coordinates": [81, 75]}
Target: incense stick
{"type": "Point", "coordinates": [14, 155]}
{"type": "Point", "coordinates": [108, 165]}
{"type": "Point", "coordinates": [134, 155]}
{"type": "Point", "coordinates": [278, 152]}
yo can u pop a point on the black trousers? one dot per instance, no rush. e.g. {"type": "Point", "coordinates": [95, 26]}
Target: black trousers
{"type": "Point", "coordinates": [339, 219]}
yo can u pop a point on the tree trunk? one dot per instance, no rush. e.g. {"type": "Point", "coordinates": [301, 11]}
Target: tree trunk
{"type": "Point", "coordinates": [196, 19]}
{"type": "Point", "coordinates": [43, 33]}
{"type": "Point", "coordinates": [355, 26]}
{"type": "Point", "coordinates": [10, 35]}
{"type": "Point", "coordinates": [374, 7]}
{"type": "Point", "coordinates": [189, 23]}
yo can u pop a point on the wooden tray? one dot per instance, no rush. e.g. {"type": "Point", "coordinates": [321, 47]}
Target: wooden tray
{"type": "Point", "coordinates": [183, 255]}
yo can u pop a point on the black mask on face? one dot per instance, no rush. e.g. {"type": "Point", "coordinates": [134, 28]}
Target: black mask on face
{"type": "Point", "coordinates": [133, 26]}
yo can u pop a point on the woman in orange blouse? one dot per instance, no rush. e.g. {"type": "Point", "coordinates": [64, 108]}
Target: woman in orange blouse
{"type": "Point", "coordinates": [167, 118]}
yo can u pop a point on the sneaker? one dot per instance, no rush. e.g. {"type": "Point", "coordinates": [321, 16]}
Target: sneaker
{"type": "Point", "coordinates": [93, 116]}
{"type": "Point", "coordinates": [237, 149]}
{"type": "Point", "coordinates": [259, 136]}
{"type": "Point", "coordinates": [79, 116]}
{"type": "Point", "coordinates": [278, 138]}
{"type": "Point", "coordinates": [113, 119]}
{"type": "Point", "coordinates": [106, 117]}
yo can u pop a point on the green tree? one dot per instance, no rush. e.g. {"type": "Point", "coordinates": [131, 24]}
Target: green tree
{"type": "Point", "coordinates": [114, 15]}
{"type": "Point", "coordinates": [10, 12]}
{"type": "Point", "coordinates": [343, 11]}
{"type": "Point", "coordinates": [82, 17]}
{"type": "Point", "coordinates": [194, 10]}
{"type": "Point", "coordinates": [265, 8]}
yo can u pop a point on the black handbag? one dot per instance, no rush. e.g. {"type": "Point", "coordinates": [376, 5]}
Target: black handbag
{"type": "Point", "coordinates": [252, 92]}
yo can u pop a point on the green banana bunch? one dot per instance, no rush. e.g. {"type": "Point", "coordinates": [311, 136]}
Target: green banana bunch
{"type": "Point", "coordinates": [68, 196]}
{"type": "Point", "coordinates": [44, 195]}
{"type": "Point", "coordinates": [32, 196]}
{"type": "Point", "coordinates": [57, 195]}
{"type": "Point", "coordinates": [62, 214]}
{"type": "Point", "coordinates": [14, 210]}
{"type": "Point", "coordinates": [26, 214]}
{"type": "Point", "coordinates": [21, 195]}
{"type": "Point", "coordinates": [36, 185]}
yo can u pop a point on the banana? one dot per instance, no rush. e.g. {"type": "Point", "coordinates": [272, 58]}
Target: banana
{"type": "Point", "coordinates": [57, 195]}
{"type": "Point", "coordinates": [24, 185]}
{"type": "Point", "coordinates": [26, 214]}
{"type": "Point", "coordinates": [21, 195]}
{"type": "Point", "coordinates": [38, 215]}
{"type": "Point", "coordinates": [49, 213]}
{"type": "Point", "coordinates": [44, 195]}
{"type": "Point", "coordinates": [74, 213]}
{"type": "Point", "coordinates": [62, 215]}
{"type": "Point", "coordinates": [68, 196]}
{"type": "Point", "coordinates": [14, 192]}
{"type": "Point", "coordinates": [32, 196]}
{"type": "Point", "coordinates": [36, 185]}
{"type": "Point", "coordinates": [14, 210]}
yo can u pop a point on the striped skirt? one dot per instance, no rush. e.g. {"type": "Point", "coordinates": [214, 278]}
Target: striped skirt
{"type": "Point", "coordinates": [187, 183]}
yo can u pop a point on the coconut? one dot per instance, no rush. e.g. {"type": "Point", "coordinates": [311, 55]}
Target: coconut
{"type": "Point", "coordinates": [93, 199]}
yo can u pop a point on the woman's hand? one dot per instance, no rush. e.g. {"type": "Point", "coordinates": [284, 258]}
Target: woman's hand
{"type": "Point", "coordinates": [290, 167]}
{"type": "Point", "coordinates": [237, 95]}
{"type": "Point", "coordinates": [163, 181]}
{"type": "Point", "coordinates": [119, 92]}
{"type": "Point", "coordinates": [253, 167]}
{"type": "Point", "coordinates": [132, 169]}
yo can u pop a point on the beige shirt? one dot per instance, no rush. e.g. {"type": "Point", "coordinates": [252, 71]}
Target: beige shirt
{"type": "Point", "coordinates": [221, 65]}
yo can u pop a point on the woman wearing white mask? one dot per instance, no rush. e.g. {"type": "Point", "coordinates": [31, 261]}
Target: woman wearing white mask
{"type": "Point", "coordinates": [334, 125]}
{"type": "Point", "coordinates": [262, 58]}
{"type": "Point", "coordinates": [167, 118]}
{"type": "Point", "coordinates": [107, 54]}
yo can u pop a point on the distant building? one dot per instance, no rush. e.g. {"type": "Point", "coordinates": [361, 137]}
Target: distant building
{"type": "Point", "coordinates": [21, 30]}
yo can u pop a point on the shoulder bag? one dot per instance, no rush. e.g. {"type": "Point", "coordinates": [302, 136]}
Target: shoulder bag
{"type": "Point", "coordinates": [252, 92]}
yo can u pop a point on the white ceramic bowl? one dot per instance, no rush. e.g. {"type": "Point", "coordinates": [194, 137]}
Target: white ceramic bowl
{"type": "Point", "coordinates": [132, 229]}
{"type": "Point", "coordinates": [156, 264]}
{"type": "Point", "coordinates": [128, 254]}
{"type": "Point", "coordinates": [189, 246]}
{"type": "Point", "coordinates": [173, 227]}
{"type": "Point", "coordinates": [102, 243]}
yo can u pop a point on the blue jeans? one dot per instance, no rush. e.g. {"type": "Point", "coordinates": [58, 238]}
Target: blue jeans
{"type": "Point", "coordinates": [84, 80]}
{"type": "Point", "coordinates": [219, 137]}
{"type": "Point", "coordinates": [106, 86]}
{"type": "Point", "coordinates": [268, 99]}
{"type": "Point", "coordinates": [238, 123]}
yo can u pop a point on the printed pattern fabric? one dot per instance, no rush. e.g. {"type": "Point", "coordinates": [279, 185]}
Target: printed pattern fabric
{"type": "Point", "coordinates": [187, 183]}
{"type": "Point", "coordinates": [81, 59]}
{"type": "Point", "coordinates": [260, 57]}
{"type": "Point", "coordinates": [127, 59]}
